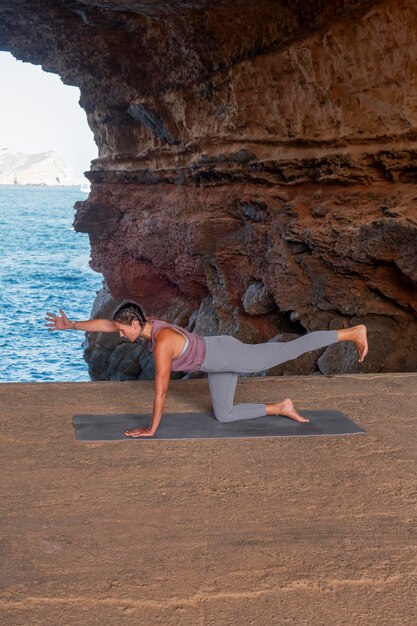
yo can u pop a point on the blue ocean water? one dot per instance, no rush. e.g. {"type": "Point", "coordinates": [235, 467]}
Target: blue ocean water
{"type": "Point", "coordinates": [43, 266]}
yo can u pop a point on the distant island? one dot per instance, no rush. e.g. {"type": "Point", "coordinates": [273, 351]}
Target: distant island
{"type": "Point", "coordinates": [45, 168]}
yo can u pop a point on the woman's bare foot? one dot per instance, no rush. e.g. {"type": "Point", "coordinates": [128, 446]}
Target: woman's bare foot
{"type": "Point", "coordinates": [287, 408]}
{"type": "Point", "coordinates": [357, 334]}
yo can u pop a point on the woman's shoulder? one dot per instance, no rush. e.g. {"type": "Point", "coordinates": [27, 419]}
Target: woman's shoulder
{"type": "Point", "coordinates": [161, 328]}
{"type": "Point", "coordinates": [158, 326]}
{"type": "Point", "coordinates": [157, 323]}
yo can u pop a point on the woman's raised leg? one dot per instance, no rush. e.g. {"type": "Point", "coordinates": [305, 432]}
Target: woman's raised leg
{"type": "Point", "coordinates": [251, 358]}
{"type": "Point", "coordinates": [257, 357]}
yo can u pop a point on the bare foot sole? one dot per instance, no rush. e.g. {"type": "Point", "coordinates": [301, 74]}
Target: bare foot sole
{"type": "Point", "coordinates": [362, 342]}
{"type": "Point", "coordinates": [288, 409]}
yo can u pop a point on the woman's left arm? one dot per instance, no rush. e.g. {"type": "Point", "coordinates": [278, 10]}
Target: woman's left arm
{"type": "Point", "coordinates": [163, 363]}
{"type": "Point", "coordinates": [163, 360]}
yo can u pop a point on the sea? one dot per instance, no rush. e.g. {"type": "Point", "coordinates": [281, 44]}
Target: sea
{"type": "Point", "coordinates": [44, 266]}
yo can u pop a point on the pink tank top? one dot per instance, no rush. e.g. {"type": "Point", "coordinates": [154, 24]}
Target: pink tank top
{"type": "Point", "coordinates": [193, 356]}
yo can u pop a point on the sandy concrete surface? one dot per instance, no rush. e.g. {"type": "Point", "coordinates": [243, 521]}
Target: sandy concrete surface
{"type": "Point", "coordinates": [311, 530]}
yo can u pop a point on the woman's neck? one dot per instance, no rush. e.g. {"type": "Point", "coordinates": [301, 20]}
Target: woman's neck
{"type": "Point", "coordinates": [147, 329]}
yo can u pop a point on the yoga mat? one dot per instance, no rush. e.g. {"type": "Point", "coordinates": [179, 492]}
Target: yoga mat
{"type": "Point", "coordinates": [205, 426]}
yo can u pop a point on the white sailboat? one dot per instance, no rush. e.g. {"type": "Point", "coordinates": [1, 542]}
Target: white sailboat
{"type": "Point", "coordinates": [85, 186]}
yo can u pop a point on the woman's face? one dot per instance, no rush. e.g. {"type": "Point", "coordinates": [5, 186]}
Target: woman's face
{"type": "Point", "coordinates": [130, 331]}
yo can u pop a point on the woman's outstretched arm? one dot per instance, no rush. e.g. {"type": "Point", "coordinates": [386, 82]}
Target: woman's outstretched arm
{"type": "Point", "coordinates": [63, 323]}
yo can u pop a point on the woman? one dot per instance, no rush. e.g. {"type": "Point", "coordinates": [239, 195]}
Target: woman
{"type": "Point", "coordinates": [223, 357]}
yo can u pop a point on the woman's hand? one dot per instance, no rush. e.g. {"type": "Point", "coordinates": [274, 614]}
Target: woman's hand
{"type": "Point", "coordinates": [58, 323]}
{"type": "Point", "coordinates": [140, 432]}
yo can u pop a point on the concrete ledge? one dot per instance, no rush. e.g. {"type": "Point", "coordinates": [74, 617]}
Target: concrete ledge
{"type": "Point", "coordinates": [317, 531]}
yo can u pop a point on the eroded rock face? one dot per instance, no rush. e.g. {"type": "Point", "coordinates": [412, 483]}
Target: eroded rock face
{"type": "Point", "coordinates": [256, 165]}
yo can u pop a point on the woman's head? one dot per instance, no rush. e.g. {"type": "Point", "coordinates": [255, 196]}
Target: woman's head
{"type": "Point", "coordinates": [129, 320]}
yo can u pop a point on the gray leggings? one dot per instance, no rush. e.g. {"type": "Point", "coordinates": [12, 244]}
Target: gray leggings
{"type": "Point", "coordinates": [226, 357]}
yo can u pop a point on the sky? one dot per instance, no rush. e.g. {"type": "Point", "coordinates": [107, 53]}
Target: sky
{"type": "Point", "coordinates": [39, 113]}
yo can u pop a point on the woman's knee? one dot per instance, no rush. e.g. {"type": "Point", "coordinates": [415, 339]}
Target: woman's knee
{"type": "Point", "coordinates": [221, 415]}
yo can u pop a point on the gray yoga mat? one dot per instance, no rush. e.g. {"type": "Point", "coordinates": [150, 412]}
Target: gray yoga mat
{"type": "Point", "coordinates": [205, 426]}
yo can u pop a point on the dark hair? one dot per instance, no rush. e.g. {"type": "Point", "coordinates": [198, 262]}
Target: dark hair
{"type": "Point", "coordinates": [127, 312]}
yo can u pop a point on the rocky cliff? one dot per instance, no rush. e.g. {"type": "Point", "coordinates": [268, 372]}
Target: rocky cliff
{"type": "Point", "coordinates": [257, 161]}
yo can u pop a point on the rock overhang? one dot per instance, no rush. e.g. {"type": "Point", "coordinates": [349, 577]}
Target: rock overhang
{"type": "Point", "coordinates": [244, 143]}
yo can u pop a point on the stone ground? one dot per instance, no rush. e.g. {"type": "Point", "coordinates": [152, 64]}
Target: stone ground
{"type": "Point", "coordinates": [317, 531]}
